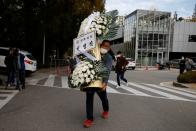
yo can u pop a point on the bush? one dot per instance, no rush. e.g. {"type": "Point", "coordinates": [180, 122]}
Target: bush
{"type": "Point", "coordinates": [187, 77]}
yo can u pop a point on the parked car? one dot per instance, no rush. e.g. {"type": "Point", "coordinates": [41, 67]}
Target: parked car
{"type": "Point", "coordinates": [174, 63]}
{"type": "Point", "coordinates": [131, 64]}
{"type": "Point", "coordinates": [30, 62]}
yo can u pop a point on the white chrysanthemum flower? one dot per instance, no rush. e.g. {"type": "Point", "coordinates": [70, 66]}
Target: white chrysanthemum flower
{"type": "Point", "coordinates": [88, 72]}
{"type": "Point", "coordinates": [93, 23]}
{"type": "Point", "coordinates": [83, 69]}
{"type": "Point", "coordinates": [93, 29]}
{"type": "Point", "coordinates": [93, 72]}
{"type": "Point", "coordinates": [76, 83]}
{"type": "Point", "coordinates": [99, 32]}
{"type": "Point", "coordinates": [88, 80]}
{"type": "Point", "coordinates": [99, 26]}
{"type": "Point", "coordinates": [89, 65]}
{"type": "Point", "coordinates": [82, 80]}
{"type": "Point", "coordinates": [103, 27]}
{"type": "Point", "coordinates": [107, 30]}
{"type": "Point", "coordinates": [81, 75]}
{"type": "Point", "coordinates": [92, 77]}
{"type": "Point", "coordinates": [85, 75]}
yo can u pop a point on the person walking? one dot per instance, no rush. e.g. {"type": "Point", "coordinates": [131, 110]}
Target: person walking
{"type": "Point", "coordinates": [19, 68]}
{"type": "Point", "coordinates": [189, 64]}
{"type": "Point", "coordinates": [182, 65]}
{"type": "Point", "coordinates": [120, 68]}
{"type": "Point", "coordinates": [10, 68]}
{"type": "Point", "coordinates": [107, 61]}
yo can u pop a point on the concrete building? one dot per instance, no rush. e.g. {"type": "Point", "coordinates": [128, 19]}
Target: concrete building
{"type": "Point", "coordinates": [153, 36]}
{"type": "Point", "coordinates": [147, 34]}
{"type": "Point", "coordinates": [183, 39]}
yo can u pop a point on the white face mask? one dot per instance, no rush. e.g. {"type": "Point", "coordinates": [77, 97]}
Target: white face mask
{"type": "Point", "coordinates": [103, 51]}
{"type": "Point", "coordinates": [118, 56]}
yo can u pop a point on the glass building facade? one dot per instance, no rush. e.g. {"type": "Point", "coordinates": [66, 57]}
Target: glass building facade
{"type": "Point", "coordinates": [148, 35]}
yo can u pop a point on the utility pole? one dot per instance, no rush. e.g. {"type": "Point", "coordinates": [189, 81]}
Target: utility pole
{"type": "Point", "coordinates": [44, 37]}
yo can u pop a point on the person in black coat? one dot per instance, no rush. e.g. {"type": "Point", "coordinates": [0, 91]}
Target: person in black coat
{"type": "Point", "coordinates": [182, 65]}
{"type": "Point", "coordinates": [10, 67]}
{"type": "Point", "coordinates": [19, 67]}
{"type": "Point", "coordinates": [120, 68]}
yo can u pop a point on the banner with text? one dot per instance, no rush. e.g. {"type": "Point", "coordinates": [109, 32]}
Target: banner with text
{"type": "Point", "coordinates": [84, 43]}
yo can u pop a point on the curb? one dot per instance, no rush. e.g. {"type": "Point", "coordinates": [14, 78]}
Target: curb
{"type": "Point", "coordinates": [167, 84]}
{"type": "Point", "coordinates": [181, 85]}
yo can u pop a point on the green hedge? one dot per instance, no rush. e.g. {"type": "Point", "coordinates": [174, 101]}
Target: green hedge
{"type": "Point", "coordinates": [187, 77]}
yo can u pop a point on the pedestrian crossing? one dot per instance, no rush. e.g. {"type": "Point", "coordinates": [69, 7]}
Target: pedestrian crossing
{"type": "Point", "coordinates": [6, 96]}
{"type": "Point", "coordinates": [132, 88]}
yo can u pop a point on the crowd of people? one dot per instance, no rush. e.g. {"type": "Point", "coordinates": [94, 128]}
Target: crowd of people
{"type": "Point", "coordinates": [15, 64]}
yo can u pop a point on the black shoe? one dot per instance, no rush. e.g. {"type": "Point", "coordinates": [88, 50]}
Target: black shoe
{"type": "Point", "coordinates": [23, 87]}
{"type": "Point", "coordinates": [18, 88]}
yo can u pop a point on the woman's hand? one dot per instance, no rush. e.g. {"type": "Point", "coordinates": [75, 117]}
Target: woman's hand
{"type": "Point", "coordinates": [104, 86]}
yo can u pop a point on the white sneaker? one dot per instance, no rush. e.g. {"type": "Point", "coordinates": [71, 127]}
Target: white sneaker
{"type": "Point", "coordinates": [117, 86]}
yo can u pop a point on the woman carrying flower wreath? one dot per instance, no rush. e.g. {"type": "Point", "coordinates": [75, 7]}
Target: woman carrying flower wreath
{"type": "Point", "coordinates": [107, 61]}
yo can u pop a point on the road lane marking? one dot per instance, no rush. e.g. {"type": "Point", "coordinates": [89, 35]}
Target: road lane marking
{"type": "Point", "coordinates": [177, 88]}
{"type": "Point", "coordinates": [157, 92]}
{"type": "Point", "coordinates": [50, 81]}
{"type": "Point", "coordinates": [64, 81]}
{"type": "Point", "coordinates": [8, 98]}
{"type": "Point", "coordinates": [174, 91]}
{"type": "Point", "coordinates": [111, 90]}
{"type": "Point", "coordinates": [33, 82]}
{"type": "Point", "coordinates": [136, 92]}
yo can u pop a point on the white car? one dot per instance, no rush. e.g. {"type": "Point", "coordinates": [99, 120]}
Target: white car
{"type": "Point", "coordinates": [131, 64]}
{"type": "Point", "coordinates": [30, 62]}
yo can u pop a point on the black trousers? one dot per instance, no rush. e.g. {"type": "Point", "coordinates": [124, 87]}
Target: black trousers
{"type": "Point", "coordinates": [20, 78]}
{"type": "Point", "coordinates": [182, 70]}
{"type": "Point", "coordinates": [90, 100]}
{"type": "Point", "coordinates": [120, 75]}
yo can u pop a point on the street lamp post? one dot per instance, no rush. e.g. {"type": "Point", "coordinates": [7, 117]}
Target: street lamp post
{"type": "Point", "coordinates": [44, 39]}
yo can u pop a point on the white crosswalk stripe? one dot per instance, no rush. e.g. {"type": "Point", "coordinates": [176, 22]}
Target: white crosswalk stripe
{"type": "Point", "coordinates": [136, 92]}
{"type": "Point", "coordinates": [139, 89]}
{"type": "Point", "coordinates": [50, 81]}
{"type": "Point", "coordinates": [33, 81]}
{"type": "Point", "coordinates": [157, 92]}
{"type": "Point", "coordinates": [111, 90]}
{"type": "Point", "coordinates": [174, 91]}
{"type": "Point", "coordinates": [8, 96]}
{"type": "Point", "coordinates": [64, 82]}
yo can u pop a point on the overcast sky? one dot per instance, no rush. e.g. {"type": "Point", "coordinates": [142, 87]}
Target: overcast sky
{"type": "Point", "coordinates": [184, 8]}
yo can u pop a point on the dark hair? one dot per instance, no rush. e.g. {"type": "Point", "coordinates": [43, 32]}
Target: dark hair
{"type": "Point", "coordinates": [105, 41]}
{"type": "Point", "coordinates": [119, 52]}
{"type": "Point", "coordinates": [16, 52]}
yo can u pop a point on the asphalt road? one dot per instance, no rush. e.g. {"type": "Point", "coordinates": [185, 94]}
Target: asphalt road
{"type": "Point", "coordinates": [54, 109]}
{"type": "Point", "coordinates": [47, 105]}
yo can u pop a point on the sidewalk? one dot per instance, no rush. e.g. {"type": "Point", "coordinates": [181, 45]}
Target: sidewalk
{"type": "Point", "coordinates": [153, 69]}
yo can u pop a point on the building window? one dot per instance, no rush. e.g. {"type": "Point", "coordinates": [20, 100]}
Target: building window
{"type": "Point", "coordinates": [192, 38]}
